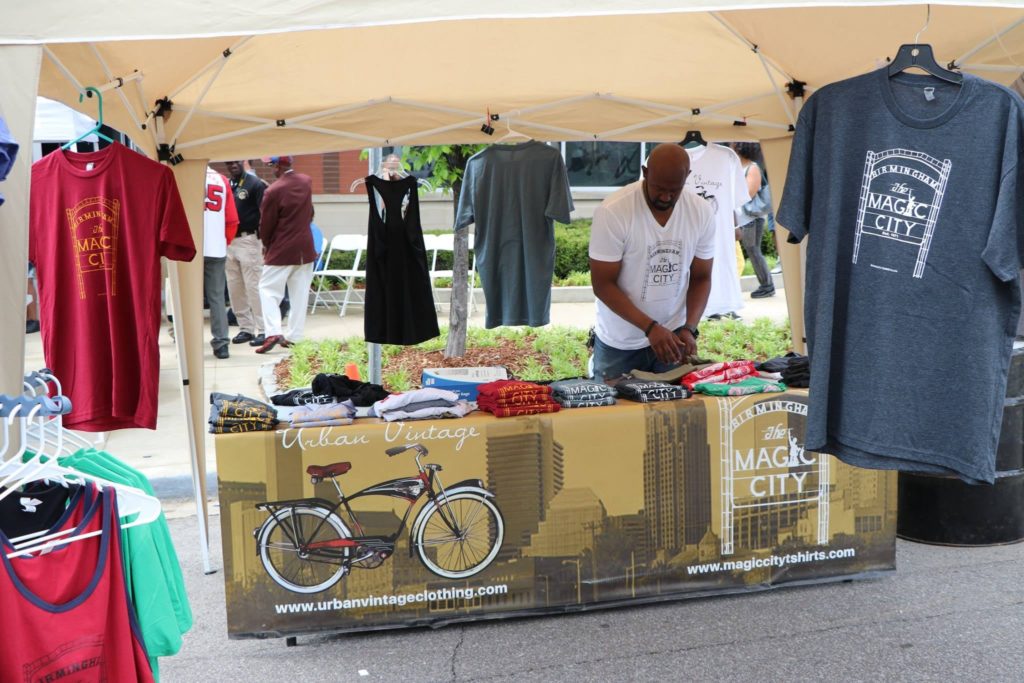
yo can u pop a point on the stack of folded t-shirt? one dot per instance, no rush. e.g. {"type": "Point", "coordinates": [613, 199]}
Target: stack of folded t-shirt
{"type": "Point", "coordinates": [798, 372]}
{"type": "Point", "coordinates": [675, 374]}
{"type": "Point", "coordinates": [582, 393]}
{"type": "Point", "coordinates": [742, 387]}
{"type": "Point", "coordinates": [421, 404]}
{"type": "Point", "coordinates": [720, 373]}
{"type": "Point", "coordinates": [236, 414]}
{"type": "Point", "coordinates": [336, 414]}
{"type": "Point", "coordinates": [732, 378]}
{"type": "Point", "coordinates": [508, 398]}
{"type": "Point", "coordinates": [301, 397]}
{"type": "Point", "coordinates": [780, 363]}
{"type": "Point", "coordinates": [794, 369]}
{"type": "Point", "coordinates": [342, 389]}
{"type": "Point", "coordinates": [646, 391]}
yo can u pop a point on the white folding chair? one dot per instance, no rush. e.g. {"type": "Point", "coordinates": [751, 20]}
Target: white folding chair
{"type": "Point", "coordinates": [446, 242]}
{"type": "Point", "coordinates": [433, 244]}
{"type": "Point", "coordinates": [472, 273]}
{"type": "Point", "coordinates": [347, 276]}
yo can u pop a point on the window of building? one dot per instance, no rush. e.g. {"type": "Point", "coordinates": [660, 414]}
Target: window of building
{"type": "Point", "coordinates": [602, 164]}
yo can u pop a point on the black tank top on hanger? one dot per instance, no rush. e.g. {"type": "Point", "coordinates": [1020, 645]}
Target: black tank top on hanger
{"type": "Point", "coordinates": [399, 300]}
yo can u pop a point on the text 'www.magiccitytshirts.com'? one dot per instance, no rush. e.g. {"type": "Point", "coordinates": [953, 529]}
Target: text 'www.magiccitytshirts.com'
{"type": "Point", "coordinates": [802, 557]}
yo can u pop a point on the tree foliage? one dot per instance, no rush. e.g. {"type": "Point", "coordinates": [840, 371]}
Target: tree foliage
{"type": "Point", "coordinates": [446, 163]}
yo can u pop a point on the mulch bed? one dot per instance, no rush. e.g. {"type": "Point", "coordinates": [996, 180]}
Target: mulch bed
{"type": "Point", "coordinates": [507, 353]}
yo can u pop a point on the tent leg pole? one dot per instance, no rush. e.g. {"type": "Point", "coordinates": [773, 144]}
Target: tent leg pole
{"type": "Point", "coordinates": [374, 362]}
{"type": "Point", "coordinates": [197, 488]}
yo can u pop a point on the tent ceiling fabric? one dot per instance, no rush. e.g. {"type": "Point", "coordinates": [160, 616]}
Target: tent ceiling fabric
{"type": "Point", "coordinates": [623, 71]}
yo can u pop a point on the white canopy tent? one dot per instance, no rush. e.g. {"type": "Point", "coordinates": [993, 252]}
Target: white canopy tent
{"type": "Point", "coordinates": [253, 77]}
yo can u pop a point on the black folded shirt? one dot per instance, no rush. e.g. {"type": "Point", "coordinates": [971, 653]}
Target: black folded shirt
{"type": "Point", "coordinates": [342, 389]}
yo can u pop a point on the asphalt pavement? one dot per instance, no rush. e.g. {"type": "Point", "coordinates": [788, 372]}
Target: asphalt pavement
{"type": "Point", "coordinates": [945, 614]}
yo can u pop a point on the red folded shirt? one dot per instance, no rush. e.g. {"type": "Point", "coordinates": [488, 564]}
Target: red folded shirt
{"type": "Point", "coordinates": [508, 387]}
{"type": "Point", "coordinates": [728, 372]}
{"type": "Point", "coordinates": [515, 399]}
{"type": "Point", "coordinates": [524, 410]}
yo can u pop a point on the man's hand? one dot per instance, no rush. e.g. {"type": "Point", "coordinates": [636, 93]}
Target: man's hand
{"type": "Point", "coordinates": [689, 343]}
{"type": "Point", "coordinates": [666, 345]}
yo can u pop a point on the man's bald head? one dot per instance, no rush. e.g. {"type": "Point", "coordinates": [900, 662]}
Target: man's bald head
{"type": "Point", "coordinates": [666, 171]}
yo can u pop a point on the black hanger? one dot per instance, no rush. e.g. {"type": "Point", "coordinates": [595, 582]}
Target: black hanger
{"type": "Point", "coordinates": [920, 55]}
{"type": "Point", "coordinates": [693, 137]}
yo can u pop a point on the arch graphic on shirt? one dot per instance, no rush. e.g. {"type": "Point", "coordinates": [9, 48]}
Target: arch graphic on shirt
{"type": "Point", "coordinates": [900, 200]}
{"type": "Point", "coordinates": [95, 225]}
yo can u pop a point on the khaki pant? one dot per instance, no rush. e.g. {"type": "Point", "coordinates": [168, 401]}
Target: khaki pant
{"type": "Point", "coordinates": [244, 267]}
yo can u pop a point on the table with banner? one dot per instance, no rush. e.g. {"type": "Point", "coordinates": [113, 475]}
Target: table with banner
{"type": "Point", "coordinates": [599, 506]}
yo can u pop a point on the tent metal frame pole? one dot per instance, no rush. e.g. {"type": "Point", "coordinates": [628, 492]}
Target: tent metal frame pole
{"type": "Point", "coordinates": [223, 136]}
{"type": "Point", "coordinates": [757, 122]}
{"type": "Point", "coordinates": [63, 69]}
{"type": "Point", "coordinates": [995, 37]}
{"type": "Point", "coordinates": [336, 133]}
{"type": "Point", "coordinates": [434, 131]}
{"type": "Point", "coordinates": [543, 126]}
{"type": "Point", "coordinates": [775, 86]}
{"type": "Point", "coordinates": [432, 107]}
{"type": "Point", "coordinates": [750, 44]}
{"type": "Point", "coordinates": [311, 116]}
{"type": "Point", "coordinates": [212, 63]}
{"type": "Point", "coordinates": [179, 344]}
{"type": "Point", "coordinates": [202, 95]}
{"type": "Point", "coordinates": [117, 84]}
{"type": "Point", "coordinates": [233, 117]}
{"type": "Point", "coordinates": [562, 102]}
{"type": "Point", "coordinates": [141, 94]}
{"type": "Point", "coordinates": [679, 112]}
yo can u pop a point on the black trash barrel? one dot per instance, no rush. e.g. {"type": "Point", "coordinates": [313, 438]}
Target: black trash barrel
{"type": "Point", "coordinates": [946, 511]}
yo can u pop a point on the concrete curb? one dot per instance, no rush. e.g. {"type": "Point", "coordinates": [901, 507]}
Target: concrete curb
{"type": "Point", "coordinates": [577, 295]}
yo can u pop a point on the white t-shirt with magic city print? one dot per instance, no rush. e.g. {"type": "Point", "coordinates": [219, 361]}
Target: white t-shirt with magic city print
{"type": "Point", "coordinates": [655, 260]}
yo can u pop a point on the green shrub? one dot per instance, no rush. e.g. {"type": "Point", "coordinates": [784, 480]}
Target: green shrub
{"type": "Point", "coordinates": [577, 279]}
{"type": "Point", "coordinates": [572, 244]}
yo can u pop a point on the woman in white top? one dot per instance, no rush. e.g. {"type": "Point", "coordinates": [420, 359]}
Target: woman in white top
{"type": "Point", "coordinates": [750, 234]}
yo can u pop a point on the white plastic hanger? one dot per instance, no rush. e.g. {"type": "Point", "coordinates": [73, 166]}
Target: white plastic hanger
{"type": "Point", "coordinates": [390, 168]}
{"type": "Point", "coordinates": [510, 133]}
{"type": "Point", "coordinates": [13, 465]}
{"type": "Point", "coordinates": [130, 501]}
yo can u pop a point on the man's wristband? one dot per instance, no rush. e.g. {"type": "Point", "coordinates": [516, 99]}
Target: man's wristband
{"type": "Point", "coordinates": [692, 329]}
{"type": "Point", "coordinates": [650, 327]}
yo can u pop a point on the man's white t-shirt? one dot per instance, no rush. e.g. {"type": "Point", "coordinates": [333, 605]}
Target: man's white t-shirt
{"type": "Point", "coordinates": [716, 174]}
{"type": "Point", "coordinates": [655, 260]}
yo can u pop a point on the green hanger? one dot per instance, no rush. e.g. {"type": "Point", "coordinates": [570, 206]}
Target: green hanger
{"type": "Point", "coordinates": [99, 124]}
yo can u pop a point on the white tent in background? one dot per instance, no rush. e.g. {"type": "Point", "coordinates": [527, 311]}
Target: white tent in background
{"type": "Point", "coordinates": [258, 77]}
{"type": "Point", "coordinates": [56, 122]}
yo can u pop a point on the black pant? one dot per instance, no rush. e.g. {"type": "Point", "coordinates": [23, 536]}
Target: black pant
{"type": "Point", "coordinates": [750, 238]}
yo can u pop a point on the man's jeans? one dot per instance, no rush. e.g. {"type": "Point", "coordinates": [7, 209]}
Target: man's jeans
{"type": "Point", "coordinates": [610, 362]}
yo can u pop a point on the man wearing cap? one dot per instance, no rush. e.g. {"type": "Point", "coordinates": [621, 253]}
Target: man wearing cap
{"type": "Point", "coordinates": [288, 253]}
{"type": "Point", "coordinates": [244, 265]}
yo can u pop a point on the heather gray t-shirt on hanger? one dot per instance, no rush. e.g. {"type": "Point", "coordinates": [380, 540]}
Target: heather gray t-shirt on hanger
{"type": "Point", "coordinates": [910, 191]}
{"type": "Point", "coordinates": [513, 194]}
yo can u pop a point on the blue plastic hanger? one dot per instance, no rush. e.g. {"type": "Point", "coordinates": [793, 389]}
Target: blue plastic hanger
{"type": "Point", "coordinates": [99, 124]}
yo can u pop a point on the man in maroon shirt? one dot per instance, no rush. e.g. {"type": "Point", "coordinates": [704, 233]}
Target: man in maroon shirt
{"type": "Point", "coordinates": [288, 253]}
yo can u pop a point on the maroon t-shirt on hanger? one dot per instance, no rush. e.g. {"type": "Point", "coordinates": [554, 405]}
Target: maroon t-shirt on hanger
{"type": "Point", "coordinates": [99, 223]}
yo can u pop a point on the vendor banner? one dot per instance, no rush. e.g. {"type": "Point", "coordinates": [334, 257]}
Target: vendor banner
{"type": "Point", "coordinates": [460, 519]}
